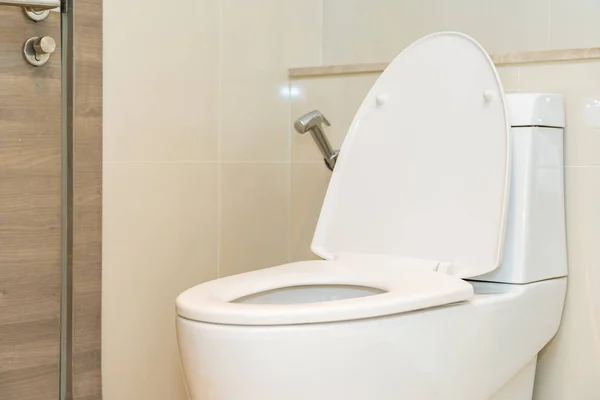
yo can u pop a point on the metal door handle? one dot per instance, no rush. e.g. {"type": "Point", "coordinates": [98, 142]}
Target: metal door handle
{"type": "Point", "coordinates": [36, 4]}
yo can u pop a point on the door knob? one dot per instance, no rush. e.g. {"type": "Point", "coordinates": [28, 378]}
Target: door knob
{"type": "Point", "coordinates": [37, 50]}
{"type": "Point", "coordinates": [44, 45]}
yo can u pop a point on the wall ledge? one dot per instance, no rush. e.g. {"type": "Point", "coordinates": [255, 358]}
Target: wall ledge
{"type": "Point", "coordinates": [528, 57]}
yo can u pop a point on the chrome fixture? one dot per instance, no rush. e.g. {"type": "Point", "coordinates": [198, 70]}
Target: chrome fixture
{"type": "Point", "coordinates": [313, 122]}
{"type": "Point", "coordinates": [35, 10]}
{"type": "Point", "coordinates": [35, 4]}
{"type": "Point", "coordinates": [35, 14]}
{"type": "Point", "coordinates": [37, 50]}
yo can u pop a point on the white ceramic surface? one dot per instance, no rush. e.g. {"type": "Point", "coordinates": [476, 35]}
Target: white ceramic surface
{"type": "Point", "coordinates": [468, 351]}
{"type": "Point", "coordinates": [423, 172]}
{"type": "Point", "coordinates": [536, 246]}
{"type": "Point", "coordinates": [408, 287]}
{"type": "Point", "coordinates": [341, 329]}
{"type": "Point", "coordinates": [536, 109]}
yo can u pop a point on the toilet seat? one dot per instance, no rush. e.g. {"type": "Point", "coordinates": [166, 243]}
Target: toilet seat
{"type": "Point", "coordinates": [407, 288]}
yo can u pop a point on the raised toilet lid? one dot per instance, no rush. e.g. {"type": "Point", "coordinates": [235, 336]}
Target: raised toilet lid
{"type": "Point", "coordinates": [424, 170]}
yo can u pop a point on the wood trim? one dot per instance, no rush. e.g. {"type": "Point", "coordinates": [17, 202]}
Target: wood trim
{"type": "Point", "coordinates": [87, 201]}
{"type": "Point", "coordinates": [348, 69]}
{"type": "Point", "coordinates": [528, 57]}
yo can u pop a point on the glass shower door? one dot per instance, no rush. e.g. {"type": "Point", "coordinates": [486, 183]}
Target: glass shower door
{"type": "Point", "coordinates": [30, 200]}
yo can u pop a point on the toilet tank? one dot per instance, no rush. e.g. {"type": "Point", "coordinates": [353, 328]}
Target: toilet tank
{"type": "Point", "coordinates": [535, 247]}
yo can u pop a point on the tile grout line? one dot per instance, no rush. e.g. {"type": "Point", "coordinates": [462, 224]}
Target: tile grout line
{"type": "Point", "coordinates": [549, 30]}
{"type": "Point", "coordinates": [211, 162]}
{"type": "Point", "coordinates": [289, 172]}
{"type": "Point", "coordinates": [321, 28]}
{"type": "Point", "coordinates": [263, 163]}
{"type": "Point", "coordinates": [219, 132]}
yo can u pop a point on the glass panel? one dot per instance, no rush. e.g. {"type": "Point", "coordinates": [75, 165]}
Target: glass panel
{"type": "Point", "coordinates": [66, 318]}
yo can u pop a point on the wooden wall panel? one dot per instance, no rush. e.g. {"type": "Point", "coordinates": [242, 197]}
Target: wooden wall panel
{"type": "Point", "coordinates": [30, 205]}
{"type": "Point", "coordinates": [30, 209]}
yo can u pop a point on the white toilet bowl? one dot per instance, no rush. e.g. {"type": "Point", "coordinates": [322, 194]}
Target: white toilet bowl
{"type": "Point", "coordinates": [463, 351]}
{"type": "Point", "coordinates": [434, 285]}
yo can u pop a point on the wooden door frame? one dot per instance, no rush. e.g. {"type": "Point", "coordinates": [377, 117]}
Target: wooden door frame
{"type": "Point", "coordinates": [83, 379]}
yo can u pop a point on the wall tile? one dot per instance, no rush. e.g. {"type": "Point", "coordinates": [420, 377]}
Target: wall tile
{"type": "Point", "coordinates": [160, 86]}
{"type": "Point", "coordinates": [254, 216]}
{"type": "Point", "coordinates": [509, 26]}
{"type": "Point", "coordinates": [253, 35]}
{"type": "Point", "coordinates": [254, 88]}
{"type": "Point", "coordinates": [255, 120]}
{"type": "Point", "coordinates": [580, 84]}
{"type": "Point", "coordinates": [338, 98]}
{"type": "Point", "coordinates": [217, 93]}
{"type": "Point", "coordinates": [569, 367]}
{"type": "Point", "coordinates": [160, 238]}
{"type": "Point", "coordinates": [574, 24]}
{"type": "Point", "coordinates": [309, 183]}
{"type": "Point", "coordinates": [467, 16]}
{"type": "Point", "coordinates": [304, 32]}
{"type": "Point", "coordinates": [357, 31]}
{"type": "Point", "coordinates": [583, 230]}
{"type": "Point", "coordinates": [509, 76]}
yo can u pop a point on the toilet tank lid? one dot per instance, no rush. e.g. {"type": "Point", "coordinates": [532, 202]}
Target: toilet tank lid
{"type": "Point", "coordinates": [536, 109]}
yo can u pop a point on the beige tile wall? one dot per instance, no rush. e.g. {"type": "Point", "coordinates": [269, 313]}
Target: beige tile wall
{"type": "Point", "coordinates": [197, 164]}
{"type": "Point", "coordinates": [254, 216]}
{"type": "Point", "coordinates": [569, 367]}
{"type": "Point", "coordinates": [205, 178]}
{"type": "Point", "coordinates": [161, 185]}
{"type": "Point", "coordinates": [160, 235]}
{"type": "Point", "coordinates": [357, 31]}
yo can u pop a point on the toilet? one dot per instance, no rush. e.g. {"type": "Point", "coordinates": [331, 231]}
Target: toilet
{"type": "Point", "coordinates": [443, 242]}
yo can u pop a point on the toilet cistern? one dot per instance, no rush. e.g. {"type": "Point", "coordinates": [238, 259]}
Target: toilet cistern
{"type": "Point", "coordinates": [313, 122]}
